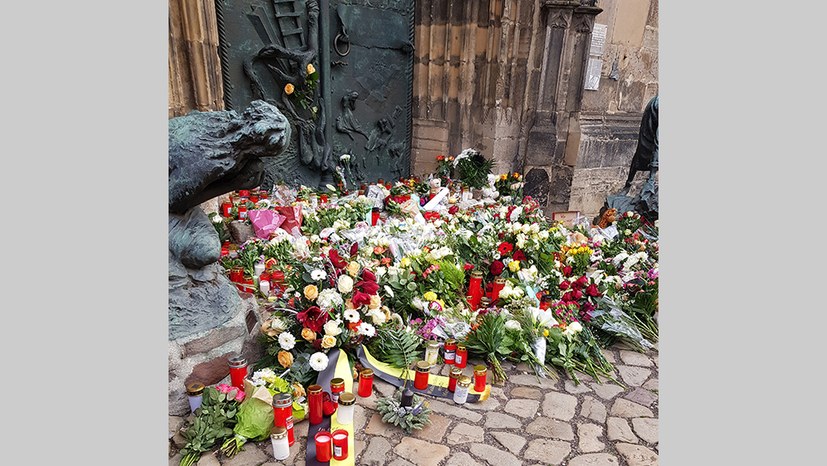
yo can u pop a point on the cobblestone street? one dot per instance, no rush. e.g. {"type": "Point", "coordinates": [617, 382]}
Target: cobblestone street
{"type": "Point", "coordinates": [527, 421]}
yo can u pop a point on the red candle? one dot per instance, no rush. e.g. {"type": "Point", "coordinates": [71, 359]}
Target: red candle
{"type": "Point", "coordinates": [461, 359]}
{"type": "Point", "coordinates": [253, 198]}
{"type": "Point", "coordinates": [365, 383]}
{"type": "Point", "coordinates": [315, 401]}
{"type": "Point", "coordinates": [238, 371]}
{"type": "Point", "coordinates": [283, 414]}
{"type": "Point", "coordinates": [450, 351]}
{"type": "Point", "coordinates": [323, 446]}
{"type": "Point", "coordinates": [263, 194]}
{"type": "Point", "coordinates": [499, 284]}
{"type": "Point", "coordinates": [422, 371]}
{"type": "Point", "coordinates": [337, 386]}
{"type": "Point", "coordinates": [242, 212]}
{"type": "Point", "coordinates": [225, 251]}
{"type": "Point", "coordinates": [227, 209]}
{"type": "Point", "coordinates": [475, 289]}
{"type": "Point", "coordinates": [244, 193]}
{"type": "Point", "coordinates": [339, 444]}
{"type": "Point", "coordinates": [456, 372]}
{"type": "Point", "coordinates": [236, 274]}
{"type": "Point", "coordinates": [480, 373]}
{"type": "Point", "coordinates": [248, 284]}
{"type": "Point", "coordinates": [374, 216]}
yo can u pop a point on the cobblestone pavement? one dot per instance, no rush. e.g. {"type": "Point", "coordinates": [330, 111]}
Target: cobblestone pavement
{"type": "Point", "coordinates": [527, 421]}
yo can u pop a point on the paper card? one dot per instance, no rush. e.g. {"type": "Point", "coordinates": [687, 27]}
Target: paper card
{"type": "Point", "coordinates": [609, 232]}
{"type": "Point", "coordinates": [568, 218]}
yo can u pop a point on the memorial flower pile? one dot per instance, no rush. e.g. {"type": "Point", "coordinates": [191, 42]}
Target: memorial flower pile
{"type": "Point", "coordinates": [556, 292]}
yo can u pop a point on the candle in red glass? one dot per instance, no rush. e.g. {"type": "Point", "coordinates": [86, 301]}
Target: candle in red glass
{"type": "Point", "coordinates": [254, 198]}
{"type": "Point", "coordinates": [461, 359]}
{"type": "Point", "coordinates": [244, 193]}
{"type": "Point", "coordinates": [238, 371]}
{"type": "Point", "coordinates": [422, 371]}
{"type": "Point", "coordinates": [236, 274]}
{"type": "Point", "coordinates": [337, 386]}
{"type": "Point", "coordinates": [263, 194]}
{"type": "Point", "coordinates": [450, 351]}
{"type": "Point", "coordinates": [499, 284]}
{"type": "Point", "coordinates": [374, 216]}
{"type": "Point", "coordinates": [249, 283]}
{"type": "Point", "coordinates": [339, 444]}
{"type": "Point", "coordinates": [225, 251]}
{"type": "Point", "coordinates": [283, 414]}
{"type": "Point", "coordinates": [227, 209]}
{"type": "Point", "coordinates": [480, 374]}
{"type": "Point", "coordinates": [456, 372]}
{"type": "Point", "coordinates": [365, 383]}
{"type": "Point", "coordinates": [315, 401]}
{"type": "Point", "coordinates": [323, 446]}
{"type": "Point", "coordinates": [475, 289]}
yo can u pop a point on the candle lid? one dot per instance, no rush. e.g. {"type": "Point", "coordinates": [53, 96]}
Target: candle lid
{"type": "Point", "coordinates": [278, 432]}
{"type": "Point", "coordinates": [499, 280]}
{"type": "Point", "coordinates": [347, 399]}
{"type": "Point", "coordinates": [314, 389]}
{"type": "Point", "coordinates": [195, 388]}
{"type": "Point", "coordinates": [423, 366]}
{"type": "Point", "coordinates": [477, 274]}
{"type": "Point", "coordinates": [283, 400]}
{"type": "Point", "coordinates": [366, 373]}
{"type": "Point", "coordinates": [238, 361]}
{"type": "Point", "coordinates": [479, 368]}
{"type": "Point", "coordinates": [464, 381]}
{"type": "Point", "coordinates": [433, 344]}
{"type": "Point", "coordinates": [461, 346]}
{"type": "Point", "coordinates": [456, 372]}
{"type": "Point", "coordinates": [450, 341]}
{"type": "Point", "coordinates": [337, 382]}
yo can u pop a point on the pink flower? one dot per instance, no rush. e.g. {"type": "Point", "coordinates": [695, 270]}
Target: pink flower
{"type": "Point", "coordinates": [239, 396]}
{"type": "Point", "coordinates": [223, 388]}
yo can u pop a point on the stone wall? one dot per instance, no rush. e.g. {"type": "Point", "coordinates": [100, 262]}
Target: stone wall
{"type": "Point", "coordinates": [610, 118]}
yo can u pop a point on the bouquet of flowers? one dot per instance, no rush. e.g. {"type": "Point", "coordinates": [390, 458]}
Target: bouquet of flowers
{"type": "Point", "coordinates": [214, 420]}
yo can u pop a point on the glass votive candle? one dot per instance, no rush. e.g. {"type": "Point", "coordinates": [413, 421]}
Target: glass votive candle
{"type": "Point", "coordinates": [423, 370]}
{"type": "Point", "coordinates": [480, 374]}
{"type": "Point", "coordinates": [324, 446]}
{"type": "Point", "coordinates": [281, 447]}
{"type": "Point", "coordinates": [344, 414]}
{"type": "Point", "coordinates": [461, 392]}
{"type": "Point", "coordinates": [195, 392]}
{"type": "Point", "coordinates": [340, 444]}
{"type": "Point", "coordinates": [366, 383]}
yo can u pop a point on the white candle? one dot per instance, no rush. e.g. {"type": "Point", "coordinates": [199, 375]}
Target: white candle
{"type": "Point", "coordinates": [264, 286]}
{"type": "Point", "coordinates": [281, 445]}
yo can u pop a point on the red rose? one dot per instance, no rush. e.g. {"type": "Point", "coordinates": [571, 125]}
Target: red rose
{"type": "Point", "coordinates": [453, 209]}
{"type": "Point", "coordinates": [368, 275]}
{"type": "Point", "coordinates": [592, 290]}
{"type": "Point", "coordinates": [567, 271]}
{"type": "Point", "coordinates": [497, 267]}
{"type": "Point", "coordinates": [360, 298]}
{"type": "Point", "coordinates": [564, 285]}
{"type": "Point", "coordinates": [468, 267]}
{"type": "Point", "coordinates": [519, 255]}
{"type": "Point", "coordinates": [577, 294]}
{"type": "Point", "coordinates": [354, 249]}
{"type": "Point", "coordinates": [568, 297]}
{"type": "Point", "coordinates": [313, 318]}
{"type": "Point", "coordinates": [576, 285]}
{"type": "Point", "coordinates": [505, 248]}
{"type": "Point", "coordinates": [583, 281]}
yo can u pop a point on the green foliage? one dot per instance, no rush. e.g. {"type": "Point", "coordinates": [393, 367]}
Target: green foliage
{"type": "Point", "coordinates": [214, 420]}
{"type": "Point", "coordinates": [490, 340]}
{"type": "Point", "coordinates": [392, 412]}
{"type": "Point", "coordinates": [474, 170]}
{"type": "Point", "coordinates": [396, 346]}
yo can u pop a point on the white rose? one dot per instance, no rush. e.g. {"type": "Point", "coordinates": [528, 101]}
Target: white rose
{"type": "Point", "coordinates": [512, 325]}
{"type": "Point", "coordinates": [378, 316]}
{"type": "Point", "coordinates": [543, 235]}
{"type": "Point", "coordinates": [332, 327]}
{"type": "Point", "coordinates": [575, 327]}
{"type": "Point", "coordinates": [345, 284]}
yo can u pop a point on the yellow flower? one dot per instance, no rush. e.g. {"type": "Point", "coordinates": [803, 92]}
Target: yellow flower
{"type": "Point", "coordinates": [308, 334]}
{"type": "Point", "coordinates": [503, 177]}
{"type": "Point", "coordinates": [285, 358]}
{"type": "Point", "coordinates": [514, 266]}
{"type": "Point", "coordinates": [310, 68]}
{"type": "Point", "coordinates": [298, 390]}
{"type": "Point", "coordinates": [545, 332]}
{"type": "Point", "coordinates": [328, 341]}
{"type": "Point", "coordinates": [430, 296]}
{"type": "Point", "coordinates": [405, 262]}
{"type": "Point", "coordinates": [289, 88]}
{"type": "Point", "coordinates": [375, 302]}
{"type": "Point", "coordinates": [516, 175]}
{"type": "Point", "coordinates": [311, 292]}
{"type": "Point", "coordinates": [353, 268]}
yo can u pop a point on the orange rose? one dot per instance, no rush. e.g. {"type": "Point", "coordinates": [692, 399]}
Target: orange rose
{"type": "Point", "coordinates": [289, 88]}
{"type": "Point", "coordinates": [308, 334]}
{"type": "Point", "coordinates": [285, 358]}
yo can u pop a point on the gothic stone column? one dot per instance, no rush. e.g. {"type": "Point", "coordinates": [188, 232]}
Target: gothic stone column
{"type": "Point", "coordinates": [551, 151]}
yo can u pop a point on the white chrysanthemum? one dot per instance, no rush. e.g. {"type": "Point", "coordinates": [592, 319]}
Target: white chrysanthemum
{"type": "Point", "coordinates": [345, 284]}
{"type": "Point", "coordinates": [318, 274]}
{"type": "Point", "coordinates": [512, 325]}
{"type": "Point", "coordinates": [217, 219]}
{"type": "Point", "coordinates": [329, 298]}
{"type": "Point", "coordinates": [352, 315]}
{"type": "Point", "coordinates": [318, 361]}
{"type": "Point", "coordinates": [287, 341]}
{"type": "Point", "coordinates": [366, 329]}
{"type": "Point", "coordinates": [260, 376]}
{"type": "Point", "coordinates": [333, 327]}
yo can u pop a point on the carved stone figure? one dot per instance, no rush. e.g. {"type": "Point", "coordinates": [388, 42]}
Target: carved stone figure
{"type": "Point", "coordinates": [210, 154]}
{"type": "Point", "coordinates": [346, 122]}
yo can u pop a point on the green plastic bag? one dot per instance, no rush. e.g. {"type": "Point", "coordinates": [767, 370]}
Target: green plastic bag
{"type": "Point", "coordinates": [255, 421]}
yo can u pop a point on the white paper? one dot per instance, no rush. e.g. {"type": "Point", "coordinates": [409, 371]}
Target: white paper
{"type": "Point", "coordinates": [433, 204]}
{"type": "Point", "coordinates": [598, 39]}
{"type": "Point", "coordinates": [593, 73]}
{"type": "Point", "coordinates": [609, 232]}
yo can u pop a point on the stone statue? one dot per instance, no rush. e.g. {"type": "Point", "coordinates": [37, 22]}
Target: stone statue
{"type": "Point", "coordinates": [644, 159]}
{"type": "Point", "coordinates": [210, 154]}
